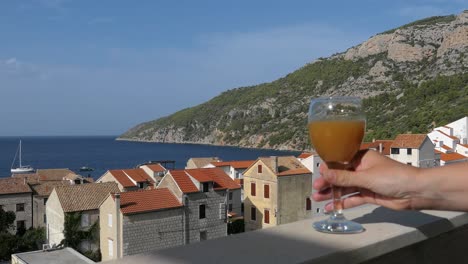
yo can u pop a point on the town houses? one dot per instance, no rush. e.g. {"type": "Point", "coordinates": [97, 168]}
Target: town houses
{"type": "Point", "coordinates": [150, 207]}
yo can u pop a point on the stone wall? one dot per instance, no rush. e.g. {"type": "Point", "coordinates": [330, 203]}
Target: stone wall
{"type": "Point", "coordinates": [212, 224]}
{"type": "Point", "coordinates": [9, 202]}
{"type": "Point", "coordinates": [150, 231]}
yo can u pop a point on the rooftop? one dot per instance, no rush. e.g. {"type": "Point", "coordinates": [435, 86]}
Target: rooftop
{"type": "Point", "coordinates": [147, 200]}
{"type": "Point", "coordinates": [304, 155]}
{"type": "Point", "coordinates": [409, 141]}
{"type": "Point", "coordinates": [59, 256]}
{"type": "Point", "coordinates": [218, 176]}
{"type": "Point", "coordinates": [452, 156]}
{"type": "Point", "coordinates": [56, 174]}
{"type": "Point", "coordinates": [202, 162]}
{"type": "Point", "coordinates": [156, 167]}
{"type": "Point", "coordinates": [183, 181]}
{"type": "Point", "coordinates": [386, 145]}
{"type": "Point", "coordinates": [236, 164]}
{"type": "Point", "coordinates": [287, 165]}
{"type": "Point", "coordinates": [14, 185]}
{"type": "Point", "coordinates": [84, 197]}
{"type": "Point", "coordinates": [46, 188]}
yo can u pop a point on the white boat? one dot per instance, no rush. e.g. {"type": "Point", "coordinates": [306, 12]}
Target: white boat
{"type": "Point", "coordinates": [22, 168]}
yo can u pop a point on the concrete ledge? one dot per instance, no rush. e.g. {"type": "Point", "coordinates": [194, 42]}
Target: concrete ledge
{"type": "Point", "coordinates": [387, 231]}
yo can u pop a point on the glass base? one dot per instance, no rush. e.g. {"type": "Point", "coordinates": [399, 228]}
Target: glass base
{"type": "Point", "coordinates": [338, 224]}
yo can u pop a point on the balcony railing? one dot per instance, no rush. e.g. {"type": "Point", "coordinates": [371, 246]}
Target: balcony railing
{"type": "Point", "coordinates": [390, 237]}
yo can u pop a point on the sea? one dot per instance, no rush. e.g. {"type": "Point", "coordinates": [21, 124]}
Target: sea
{"type": "Point", "coordinates": [103, 153]}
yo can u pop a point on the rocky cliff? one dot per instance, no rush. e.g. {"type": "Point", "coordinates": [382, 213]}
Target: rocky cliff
{"type": "Point", "coordinates": [411, 77]}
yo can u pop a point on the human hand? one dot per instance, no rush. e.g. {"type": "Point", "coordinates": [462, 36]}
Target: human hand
{"type": "Point", "coordinates": [376, 179]}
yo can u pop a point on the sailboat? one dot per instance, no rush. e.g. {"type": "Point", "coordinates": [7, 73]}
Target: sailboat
{"type": "Point", "coordinates": [22, 168]}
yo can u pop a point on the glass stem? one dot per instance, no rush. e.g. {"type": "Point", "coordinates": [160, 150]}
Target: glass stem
{"type": "Point", "coordinates": [337, 202]}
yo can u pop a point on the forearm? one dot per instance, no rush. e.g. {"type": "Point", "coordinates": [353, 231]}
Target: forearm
{"type": "Point", "coordinates": [441, 188]}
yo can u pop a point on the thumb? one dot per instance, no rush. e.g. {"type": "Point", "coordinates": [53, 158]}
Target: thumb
{"type": "Point", "coordinates": [345, 178]}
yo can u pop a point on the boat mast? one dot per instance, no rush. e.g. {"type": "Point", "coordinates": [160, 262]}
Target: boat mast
{"type": "Point", "coordinates": [20, 155]}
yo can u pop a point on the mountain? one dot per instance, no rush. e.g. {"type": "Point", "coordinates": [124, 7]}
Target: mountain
{"type": "Point", "coordinates": [412, 78]}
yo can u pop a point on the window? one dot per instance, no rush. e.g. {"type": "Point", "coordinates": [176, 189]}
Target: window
{"type": "Point", "coordinates": [409, 151]}
{"type": "Point", "coordinates": [20, 207]}
{"type": "Point", "coordinates": [45, 201]}
{"type": "Point", "coordinates": [230, 207]}
{"type": "Point", "coordinates": [318, 210]}
{"type": "Point", "coordinates": [201, 211]}
{"type": "Point", "coordinates": [230, 196]}
{"type": "Point", "coordinates": [259, 168]}
{"type": "Point", "coordinates": [109, 220]}
{"type": "Point", "coordinates": [252, 189]}
{"type": "Point", "coordinates": [409, 163]}
{"type": "Point", "coordinates": [203, 235]}
{"type": "Point", "coordinates": [242, 208]}
{"type": "Point", "coordinates": [110, 244]}
{"type": "Point", "coordinates": [266, 216]}
{"type": "Point", "coordinates": [266, 191]}
{"type": "Point", "coordinates": [308, 204]}
{"type": "Point", "coordinates": [318, 164]}
{"type": "Point", "coordinates": [253, 213]}
{"type": "Point", "coordinates": [140, 185]}
{"type": "Point", "coordinates": [84, 220]}
{"type": "Point", "coordinates": [45, 219]}
{"type": "Point", "coordinates": [395, 151]}
{"type": "Point", "coordinates": [20, 225]}
{"type": "Point", "coordinates": [206, 187]}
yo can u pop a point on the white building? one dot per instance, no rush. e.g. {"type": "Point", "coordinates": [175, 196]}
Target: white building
{"type": "Point", "coordinates": [415, 150]}
{"type": "Point", "coordinates": [451, 141]}
{"type": "Point", "coordinates": [312, 162]}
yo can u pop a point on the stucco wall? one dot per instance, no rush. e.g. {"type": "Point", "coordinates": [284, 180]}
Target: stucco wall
{"type": "Point", "coordinates": [266, 177]}
{"type": "Point", "coordinates": [292, 194]}
{"type": "Point", "coordinates": [107, 177]}
{"type": "Point", "coordinates": [55, 219]}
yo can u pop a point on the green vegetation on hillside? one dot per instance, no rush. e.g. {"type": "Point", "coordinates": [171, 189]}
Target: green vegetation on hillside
{"type": "Point", "coordinates": [425, 22]}
{"type": "Point", "coordinates": [432, 103]}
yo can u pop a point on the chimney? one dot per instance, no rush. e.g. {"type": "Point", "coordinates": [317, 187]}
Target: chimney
{"type": "Point", "coordinates": [380, 147]}
{"type": "Point", "coordinates": [117, 224]}
{"type": "Point", "coordinates": [275, 163]}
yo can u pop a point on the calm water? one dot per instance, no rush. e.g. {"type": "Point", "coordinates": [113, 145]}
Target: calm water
{"type": "Point", "coordinates": [104, 153]}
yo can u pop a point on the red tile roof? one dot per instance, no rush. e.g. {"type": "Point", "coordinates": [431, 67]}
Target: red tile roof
{"type": "Point", "coordinates": [122, 178]}
{"type": "Point", "coordinates": [304, 155]}
{"type": "Point", "coordinates": [183, 181]}
{"type": "Point", "coordinates": [409, 141]}
{"type": "Point", "coordinates": [148, 200]}
{"type": "Point", "coordinates": [386, 146]}
{"type": "Point", "coordinates": [236, 164]}
{"type": "Point", "coordinates": [156, 167]}
{"type": "Point", "coordinates": [14, 185]}
{"type": "Point", "coordinates": [294, 172]}
{"type": "Point", "coordinates": [452, 156]}
{"type": "Point", "coordinates": [138, 175]}
{"type": "Point", "coordinates": [446, 147]}
{"type": "Point", "coordinates": [218, 176]}
{"type": "Point", "coordinates": [239, 181]}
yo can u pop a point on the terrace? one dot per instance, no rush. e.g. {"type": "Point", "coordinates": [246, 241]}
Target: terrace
{"type": "Point", "coordinates": [390, 237]}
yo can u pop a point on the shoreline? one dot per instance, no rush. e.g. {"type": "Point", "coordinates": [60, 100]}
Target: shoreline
{"type": "Point", "coordinates": [204, 144]}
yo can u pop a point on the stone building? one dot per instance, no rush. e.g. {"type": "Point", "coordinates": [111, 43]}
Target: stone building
{"type": "Point", "coordinates": [205, 194]}
{"type": "Point", "coordinates": [195, 163]}
{"type": "Point", "coordinates": [84, 199]}
{"type": "Point", "coordinates": [140, 221]}
{"type": "Point", "coordinates": [16, 196]}
{"type": "Point", "coordinates": [277, 191]}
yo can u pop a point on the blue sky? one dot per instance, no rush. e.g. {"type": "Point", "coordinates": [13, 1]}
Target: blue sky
{"type": "Point", "coordinates": [87, 67]}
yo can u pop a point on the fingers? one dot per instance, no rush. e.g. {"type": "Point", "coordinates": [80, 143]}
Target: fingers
{"type": "Point", "coordinates": [350, 202]}
{"type": "Point", "coordinates": [326, 194]}
{"type": "Point", "coordinates": [346, 178]}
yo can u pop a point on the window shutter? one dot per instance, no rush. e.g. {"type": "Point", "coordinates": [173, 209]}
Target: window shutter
{"type": "Point", "coordinates": [222, 211]}
{"type": "Point", "coordinates": [308, 204]}
{"type": "Point", "coordinates": [109, 220]}
{"type": "Point", "coordinates": [253, 189]}
{"type": "Point", "coordinates": [111, 247]}
{"type": "Point", "coordinates": [259, 168]}
{"type": "Point", "coordinates": [266, 216]}
{"type": "Point", "coordinates": [266, 191]}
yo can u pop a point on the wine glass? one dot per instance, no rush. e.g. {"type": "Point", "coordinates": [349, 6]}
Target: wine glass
{"type": "Point", "coordinates": [336, 128]}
